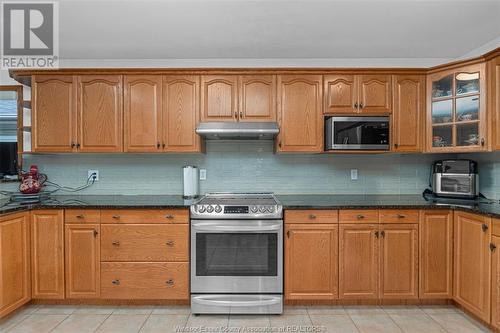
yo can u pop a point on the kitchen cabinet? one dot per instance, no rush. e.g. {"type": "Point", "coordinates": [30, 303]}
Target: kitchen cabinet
{"type": "Point", "coordinates": [299, 113]}
{"type": "Point", "coordinates": [311, 261]}
{"type": "Point", "coordinates": [436, 254]}
{"type": "Point", "coordinates": [15, 283]}
{"type": "Point", "coordinates": [219, 94]}
{"type": "Point", "coordinates": [472, 260]}
{"type": "Point", "coordinates": [358, 261]}
{"type": "Point", "coordinates": [47, 254]}
{"type": "Point", "coordinates": [82, 259]}
{"type": "Point", "coordinates": [456, 110]}
{"type": "Point", "coordinates": [493, 72]}
{"type": "Point", "coordinates": [408, 115]}
{"type": "Point", "coordinates": [354, 94]}
{"type": "Point", "coordinates": [142, 96]}
{"type": "Point", "coordinates": [53, 115]}
{"type": "Point", "coordinates": [495, 280]}
{"type": "Point", "coordinates": [100, 113]}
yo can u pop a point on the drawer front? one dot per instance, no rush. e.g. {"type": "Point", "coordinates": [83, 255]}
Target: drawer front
{"type": "Point", "coordinates": [82, 216]}
{"type": "Point", "coordinates": [399, 216]}
{"type": "Point", "coordinates": [144, 242]}
{"type": "Point", "coordinates": [144, 280]}
{"type": "Point", "coordinates": [358, 216]}
{"type": "Point", "coordinates": [150, 216]}
{"type": "Point", "coordinates": [311, 216]}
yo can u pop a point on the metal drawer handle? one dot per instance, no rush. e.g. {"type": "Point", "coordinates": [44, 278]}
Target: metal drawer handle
{"type": "Point", "coordinates": [360, 217]}
{"type": "Point", "coordinates": [116, 282]}
{"type": "Point", "coordinates": [170, 282]}
{"type": "Point", "coordinates": [116, 243]}
{"type": "Point", "coordinates": [312, 216]}
{"type": "Point", "coordinates": [170, 243]}
{"type": "Point", "coordinates": [401, 216]}
{"type": "Point", "coordinates": [116, 217]}
{"type": "Point", "coordinates": [169, 216]}
{"type": "Point", "coordinates": [80, 216]}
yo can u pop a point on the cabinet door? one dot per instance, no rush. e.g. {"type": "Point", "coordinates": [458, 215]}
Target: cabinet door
{"type": "Point", "coordinates": [299, 113]}
{"type": "Point", "coordinates": [142, 109]}
{"type": "Point", "coordinates": [495, 282]}
{"type": "Point", "coordinates": [100, 113]}
{"type": "Point", "coordinates": [181, 112]}
{"type": "Point", "coordinates": [358, 261]}
{"type": "Point", "coordinates": [82, 260]}
{"type": "Point", "coordinates": [219, 98]}
{"type": "Point", "coordinates": [408, 113]}
{"type": "Point", "coordinates": [15, 285]}
{"type": "Point", "coordinates": [53, 113]}
{"type": "Point", "coordinates": [47, 254]}
{"type": "Point", "coordinates": [341, 94]}
{"type": "Point", "coordinates": [494, 100]}
{"type": "Point", "coordinates": [311, 261]}
{"type": "Point", "coordinates": [374, 94]}
{"type": "Point", "coordinates": [399, 261]}
{"type": "Point", "coordinates": [472, 263]}
{"type": "Point", "coordinates": [257, 98]}
{"type": "Point", "coordinates": [436, 254]}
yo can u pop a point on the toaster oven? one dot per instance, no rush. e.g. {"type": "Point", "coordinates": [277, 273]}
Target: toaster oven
{"type": "Point", "coordinates": [455, 178]}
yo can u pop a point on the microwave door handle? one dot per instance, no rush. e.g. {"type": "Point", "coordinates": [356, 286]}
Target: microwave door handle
{"type": "Point", "coordinates": [204, 301]}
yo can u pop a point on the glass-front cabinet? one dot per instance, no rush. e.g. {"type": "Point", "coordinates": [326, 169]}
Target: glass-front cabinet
{"type": "Point", "coordinates": [456, 115]}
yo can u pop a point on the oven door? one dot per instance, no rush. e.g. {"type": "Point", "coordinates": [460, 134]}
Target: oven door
{"type": "Point", "coordinates": [237, 256]}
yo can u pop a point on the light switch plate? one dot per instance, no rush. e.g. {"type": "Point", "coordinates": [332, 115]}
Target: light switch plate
{"type": "Point", "coordinates": [354, 174]}
{"type": "Point", "coordinates": [203, 174]}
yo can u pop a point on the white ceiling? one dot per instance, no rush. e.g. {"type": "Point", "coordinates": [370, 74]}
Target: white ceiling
{"type": "Point", "coordinates": [276, 29]}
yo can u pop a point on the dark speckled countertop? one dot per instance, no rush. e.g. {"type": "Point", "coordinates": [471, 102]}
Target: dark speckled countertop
{"type": "Point", "coordinates": [296, 201]}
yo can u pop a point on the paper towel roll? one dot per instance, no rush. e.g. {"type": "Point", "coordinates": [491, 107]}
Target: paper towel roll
{"type": "Point", "coordinates": [191, 184]}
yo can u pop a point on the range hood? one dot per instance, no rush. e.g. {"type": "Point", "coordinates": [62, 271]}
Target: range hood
{"type": "Point", "coordinates": [238, 130]}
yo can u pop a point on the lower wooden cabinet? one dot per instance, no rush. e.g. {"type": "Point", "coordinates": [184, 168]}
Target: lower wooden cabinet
{"type": "Point", "coordinates": [15, 285]}
{"type": "Point", "coordinates": [47, 254]}
{"type": "Point", "coordinates": [495, 280]}
{"type": "Point", "coordinates": [472, 263]}
{"type": "Point", "coordinates": [311, 261]}
{"type": "Point", "coordinates": [82, 260]}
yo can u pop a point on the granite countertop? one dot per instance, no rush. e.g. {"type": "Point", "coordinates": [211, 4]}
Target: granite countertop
{"type": "Point", "coordinates": [296, 201]}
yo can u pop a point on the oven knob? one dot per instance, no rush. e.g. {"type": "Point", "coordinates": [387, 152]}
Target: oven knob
{"type": "Point", "coordinates": [254, 209]}
{"type": "Point", "coordinates": [262, 209]}
{"type": "Point", "coordinates": [270, 209]}
{"type": "Point", "coordinates": [218, 209]}
{"type": "Point", "coordinates": [210, 208]}
{"type": "Point", "coordinates": [201, 208]}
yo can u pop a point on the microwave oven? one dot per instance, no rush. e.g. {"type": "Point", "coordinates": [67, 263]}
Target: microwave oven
{"type": "Point", "coordinates": [357, 133]}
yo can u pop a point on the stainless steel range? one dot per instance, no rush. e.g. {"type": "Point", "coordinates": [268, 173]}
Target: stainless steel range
{"type": "Point", "coordinates": [237, 254]}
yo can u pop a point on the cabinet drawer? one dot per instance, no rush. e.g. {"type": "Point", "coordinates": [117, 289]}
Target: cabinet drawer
{"type": "Point", "coordinates": [399, 216]}
{"type": "Point", "coordinates": [144, 242]}
{"type": "Point", "coordinates": [311, 216]}
{"type": "Point", "coordinates": [82, 216]}
{"type": "Point", "coordinates": [144, 280]}
{"type": "Point", "coordinates": [145, 216]}
{"type": "Point", "coordinates": [358, 216]}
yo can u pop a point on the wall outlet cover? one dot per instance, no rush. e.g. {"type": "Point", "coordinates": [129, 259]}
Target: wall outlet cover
{"type": "Point", "coordinates": [354, 174]}
{"type": "Point", "coordinates": [203, 174]}
{"type": "Point", "coordinates": [91, 172]}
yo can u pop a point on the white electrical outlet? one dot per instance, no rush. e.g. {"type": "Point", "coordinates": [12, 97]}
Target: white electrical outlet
{"type": "Point", "coordinates": [91, 172]}
{"type": "Point", "coordinates": [203, 174]}
{"type": "Point", "coordinates": [354, 174]}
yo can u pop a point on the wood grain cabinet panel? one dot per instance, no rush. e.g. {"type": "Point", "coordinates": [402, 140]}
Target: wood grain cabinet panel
{"type": "Point", "coordinates": [257, 98]}
{"type": "Point", "coordinates": [82, 216]}
{"type": "Point", "coordinates": [399, 261]}
{"type": "Point", "coordinates": [375, 94]}
{"type": "Point", "coordinates": [47, 254]}
{"type": "Point", "coordinates": [100, 113]}
{"type": "Point", "coordinates": [53, 113]}
{"type": "Point", "coordinates": [398, 216]}
{"type": "Point", "coordinates": [142, 109]}
{"type": "Point", "coordinates": [15, 283]}
{"type": "Point", "coordinates": [409, 108]}
{"type": "Point", "coordinates": [300, 113]}
{"type": "Point", "coordinates": [495, 281]}
{"type": "Point", "coordinates": [493, 72]}
{"type": "Point", "coordinates": [311, 216]}
{"type": "Point", "coordinates": [181, 112]}
{"type": "Point", "coordinates": [436, 254]}
{"type": "Point", "coordinates": [148, 216]}
{"type": "Point", "coordinates": [358, 261]}
{"type": "Point", "coordinates": [82, 255]}
{"type": "Point", "coordinates": [219, 95]}
{"type": "Point", "coordinates": [358, 216]}
{"type": "Point", "coordinates": [341, 94]}
{"type": "Point", "coordinates": [472, 260]}
{"type": "Point", "coordinates": [311, 268]}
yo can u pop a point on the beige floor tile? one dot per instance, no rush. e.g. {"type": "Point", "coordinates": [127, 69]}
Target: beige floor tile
{"type": "Point", "coordinates": [403, 310]}
{"type": "Point", "coordinates": [333, 323]}
{"type": "Point", "coordinates": [28, 309]}
{"type": "Point", "coordinates": [163, 323]}
{"type": "Point", "coordinates": [171, 310]}
{"type": "Point", "coordinates": [326, 309]}
{"type": "Point", "coordinates": [12, 320]}
{"type": "Point", "coordinates": [207, 321]}
{"type": "Point", "coordinates": [81, 323]}
{"type": "Point", "coordinates": [439, 309]}
{"type": "Point", "coordinates": [56, 309]}
{"type": "Point", "coordinates": [290, 320]}
{"type": "Point", "coordinates": [95, 309]}
{"type": "Point", "coordinates": [457, 323]}
{"type": "Point", "coordinates": [374, 323]}
{"type": "Point", "coordinates": [38, 323]}
{"type": "Point", "coordinates": [416, 323]}
{"type": "Point", "coordinates": [129, 323]}
{"type": "Point", "coordinates": [289, 309]}
{"type": "Point", "coordinates": [133, 310]}
{"type": "Point", "coordinates": [364, 310]}
{"type": "Point", "coordinates": [241, 321]}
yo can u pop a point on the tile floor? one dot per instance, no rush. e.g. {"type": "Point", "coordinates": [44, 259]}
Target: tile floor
{"type": "Point", "coordinates": [314, 319]}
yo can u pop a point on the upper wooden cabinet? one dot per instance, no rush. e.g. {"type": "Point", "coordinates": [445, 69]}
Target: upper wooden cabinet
{"type": "Point", "coordinates": [257, 98]}
{"type": "Point", "coordinates": [100, 111]}
{"type": "Point", "coordinates": [353, 94]}
{"type": "Point", "coordinates": [408, 115]}
{"type": "Point", "coordinates": [53, 113]}
{"type": "Point", "coordinates": [219, 94]}
{"type": "Point", "coordinates": [15, 284]}
{"type": "Point", "coordinates": [493, 72]}
{"type": "Point", "coordinates": [456, 110]}
{"type": "Point", "coordinates": [299, 113]}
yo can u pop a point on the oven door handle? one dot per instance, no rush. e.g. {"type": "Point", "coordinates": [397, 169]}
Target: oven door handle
{"type": "Point", "coordinates": [207, 301]}
{"type": "Point", "coordinates": [212, 228]}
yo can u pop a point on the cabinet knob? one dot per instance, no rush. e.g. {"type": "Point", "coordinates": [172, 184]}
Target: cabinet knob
{"type": "Point", "coordinates": [376, 234]}
{"type": "Point", "coordinates": [492, 247]}
{"type": "Point", "coordinates": [279, 144]}
{"type": "Point", "coordinates": [158, 145]}
{"type": "Point", "coordinates": [360, 105]}
{"type": "Point", "coordinates": [169, 216]}
{"type": "Point", "coordinates": [401, 216]}
{"type": "Point", "coordinates": [360, 217]}
{"type": "Point", "coordinates": [170, 282]}
{"type": "Point", "coordinates": [116, 217]}
{"type": "Point", "coordinates": [484, 226]}
{"type": "Point", "coordinates": [73, 145]}
{"type": "Point", "coordinates": [116, 243]}
{"type": "Point", "coordinates": [163, 145]}
{"type": "Point", "coordinates": [382, 233]}
{"type": "Point", "coordinates": [356, 105]}
{"type": "Point", "coordinates": [80, 216]}
{"type": "Point", "coordinates": [482, 142]}
{"type": "Point", "coordinates": [241, 114]}
{"type": "Point", "coordinates": [96, 233]}
{"type": "Point", "coordinates": [170, 243]}
{"type": "Point", "coordinates": [77, 145]}
{"type": "Point", "coordinates": [312, 216]}
{"type": "Point", "coordinates": [116, 282]}
{"type": "Point", "coordinates": [396, 145]}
